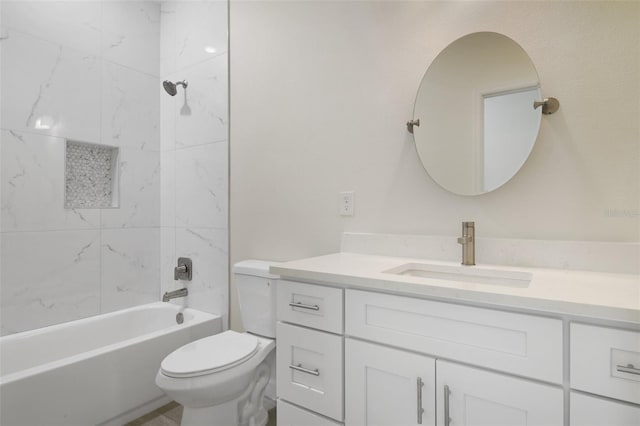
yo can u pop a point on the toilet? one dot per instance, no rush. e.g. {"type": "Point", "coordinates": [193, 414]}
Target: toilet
{"type": "Point", "coordinates": [229, 378]}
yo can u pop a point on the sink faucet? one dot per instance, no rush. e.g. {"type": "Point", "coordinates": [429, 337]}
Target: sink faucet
{"type": "Point", "coordinates": [183, 292]}
{"type": "Point", "coordinates": [468, 241]}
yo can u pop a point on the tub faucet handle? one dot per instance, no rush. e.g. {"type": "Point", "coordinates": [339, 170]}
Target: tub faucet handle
{"type": "Point", "coordinates": [184, 270]}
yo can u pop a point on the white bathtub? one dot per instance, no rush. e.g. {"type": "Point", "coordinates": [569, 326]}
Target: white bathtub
{"type": "Point", "coordinates": [98, 370]}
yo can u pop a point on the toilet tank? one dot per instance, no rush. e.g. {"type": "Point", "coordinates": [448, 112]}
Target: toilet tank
{"type": "Point", "coordinates": [256, 296]}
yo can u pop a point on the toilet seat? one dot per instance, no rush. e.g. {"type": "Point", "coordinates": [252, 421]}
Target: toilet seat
{"type": "Point", "coordinates": [210, 355]}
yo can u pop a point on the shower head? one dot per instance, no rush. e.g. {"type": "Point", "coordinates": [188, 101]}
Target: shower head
{"type": "Point", "coordinates": [171, 88]}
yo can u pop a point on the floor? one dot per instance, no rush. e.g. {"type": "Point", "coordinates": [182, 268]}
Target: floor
{"type": "Point", "coordinates": [167, 415]}
{"type": "Point", "coordinates": [171, 415]}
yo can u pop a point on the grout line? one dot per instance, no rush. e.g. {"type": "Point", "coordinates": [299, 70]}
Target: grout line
{"type": "Point", "coordinates": [117, 228]}
{"type": "Point", "coordinates": [185, 147]}
{"type": "Point", "coordinates": [229, 271]}
{"type": "Point", "coordinates": [98, 55]}
{"type": "Point", "coordinates": [193, 65]}
{"type": "Point", "coordinates": [81, 139]}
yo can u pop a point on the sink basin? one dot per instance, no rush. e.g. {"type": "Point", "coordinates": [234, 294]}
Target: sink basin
{"type": "Point", "coordinates": [471, 274]}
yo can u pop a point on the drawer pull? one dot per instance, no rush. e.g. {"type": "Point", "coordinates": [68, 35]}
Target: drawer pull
{"type": "Point", "coordinates": [420, 384]}
{"type": "Point", "coordinates": [299, 367]}
{"type": "Point", "coordinates": [447, 419]}
{"type": "Point", "coordinates": [629, 368]}
{"type": "Point", "coordinates": [303, 306]}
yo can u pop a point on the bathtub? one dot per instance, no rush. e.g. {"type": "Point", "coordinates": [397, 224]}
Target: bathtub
{"type": "Point", "coordinates": [94, 371]}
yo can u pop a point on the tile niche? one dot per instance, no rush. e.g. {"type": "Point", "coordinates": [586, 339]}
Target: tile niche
{"type": "Point", "coordinates": [91, 176]}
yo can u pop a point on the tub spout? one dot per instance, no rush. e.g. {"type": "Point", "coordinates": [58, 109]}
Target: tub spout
{"type": "Point", "coordinates": [183, 292]}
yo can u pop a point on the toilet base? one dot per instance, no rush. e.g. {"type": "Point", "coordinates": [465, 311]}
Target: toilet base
{"type": "Point", "coordinates": [246, 410]}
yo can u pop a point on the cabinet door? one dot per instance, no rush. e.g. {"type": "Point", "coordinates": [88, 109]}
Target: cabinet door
{"type": "Point", "coordinates": [469, 396]}
{"type": "Point", "coordinates": [385, 386]}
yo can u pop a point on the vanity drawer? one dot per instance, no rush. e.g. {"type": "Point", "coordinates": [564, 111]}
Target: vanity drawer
{"type": "Point", "coordinates": [605, 361]}
{"type": "Point", "coordinates": [310, 305]}
{"type": "Point", "coordinates": [290, 415]}
{"type": "Point", "coordinates": [309, 369]}
{"type": "Point", "coordinates": [520, 344]}
{"type": "Point", "coordinates": [592, 411]}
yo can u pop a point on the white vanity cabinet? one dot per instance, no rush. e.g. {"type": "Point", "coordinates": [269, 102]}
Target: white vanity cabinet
{"type": "Point", "coordinates": [358, 357]}
{"type": "Point", "coordinates": [605, 362]}
{"type": "Point", "coordinates": [290, 415]}
{"type": "Point", "coordinates": [471, 396]}
{"type": "Point", "coordinates": [382, 384]}
{"type": "Point", "coordinates": [520, 344]}
{"type": "Point", "coordinates": [589, 410]}
{"type": "Point", "coordinates": [387, 386]}
{"type": "Point", "coordinates": [393, 387]}
{"type": "Point", "coordinates": [309, 354]}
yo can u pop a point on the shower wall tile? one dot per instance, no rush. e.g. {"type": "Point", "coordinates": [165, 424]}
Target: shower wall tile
{"type": "Point", "coordinates": [193, 134]}
{"type": "Point", "coordinates": [202, 115]}
{"type": "Point", "coordinates": [130, 267]}
{"type": "Point", "coordinates": [201, 31]}
{"type": "Point", "coordinates": [74, 24]}
{"type": "Point", "coordinates": [139, 191]}
{"type": "Point", "coordinates": [168, 116]}
{"type": "Point", "coordinates": [168, 44]}
{"type": "Point", "coordinates": [168, 259]}
{"type": "Point", "coordinates": [208, 248]}
{"type": "Point", "coordinates": [89, 71]}
{"type": "Point", "coordinates": [53, 85]}
{"type": "Point", "coordinates": [202, 186]}
{"type": "Point", "coordinates": [130, 34]}
{"type": "Point", "coordinates": [167, 188]}
{"type": "Point", "coordinates": [32, 176]}
{"type": "Point", "coordinates": [48, 278]}
{"type": "Point", "coordinates": [130, 108]}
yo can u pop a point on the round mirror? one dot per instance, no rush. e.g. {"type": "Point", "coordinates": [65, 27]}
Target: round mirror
{"type": "Point", "coordinates": [477, 119]}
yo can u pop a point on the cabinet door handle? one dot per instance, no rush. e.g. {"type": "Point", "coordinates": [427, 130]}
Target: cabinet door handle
{"type": "Point", "coordinates": [447, 392]}
{"type": "Point", "coordinates": [420, 385]}
{"type": "Point", "coordinates": [303, 306]}
{"type": "Point", "coordinates": [629, 368]}
{"type": "Point", "coordinates": [299, 367]}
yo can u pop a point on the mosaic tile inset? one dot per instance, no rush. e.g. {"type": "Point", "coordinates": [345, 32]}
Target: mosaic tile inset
{"type": "Point", "coordinates": [89, 176]}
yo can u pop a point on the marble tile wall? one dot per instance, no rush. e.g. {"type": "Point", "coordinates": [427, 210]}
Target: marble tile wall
{"type": "Point", "coordinates": [194, 151]}
{"type": "Point", "coordinates": [86, 71]}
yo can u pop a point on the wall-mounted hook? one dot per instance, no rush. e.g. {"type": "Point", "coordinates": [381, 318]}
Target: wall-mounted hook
{"type": "Point", "coordinates": [412, 123]}
{"type": "Point", "coordinates": [549, 105]}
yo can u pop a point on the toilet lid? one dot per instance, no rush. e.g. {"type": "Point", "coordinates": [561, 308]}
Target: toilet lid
{"type": "Point", "coordinates": [211, 354]}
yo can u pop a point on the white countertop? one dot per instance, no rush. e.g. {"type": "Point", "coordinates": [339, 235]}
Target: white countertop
{"type": "Point", "coordinates": [601, 295]}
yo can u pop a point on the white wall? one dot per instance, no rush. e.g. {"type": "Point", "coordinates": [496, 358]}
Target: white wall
{"type": "Point", "coordinates": [92, 66]}
{"type": "Point", "coordinates": [194, 143]}
{"type": "Point", "coordinates": [320, 92]}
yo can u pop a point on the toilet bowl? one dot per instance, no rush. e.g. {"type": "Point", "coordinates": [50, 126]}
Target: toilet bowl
{"type": "Point", "coordinates": [210, 376]}
{"type": "Point", "coordinates": [222, 379]}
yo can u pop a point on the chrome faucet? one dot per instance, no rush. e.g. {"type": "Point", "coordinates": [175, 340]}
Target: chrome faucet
{"type": "Point", "coordinates": [183, 292]}
{"type": "Point", "coordinates": [468, 241]}
{"type": "Point", "coordinates": [184, 270]}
